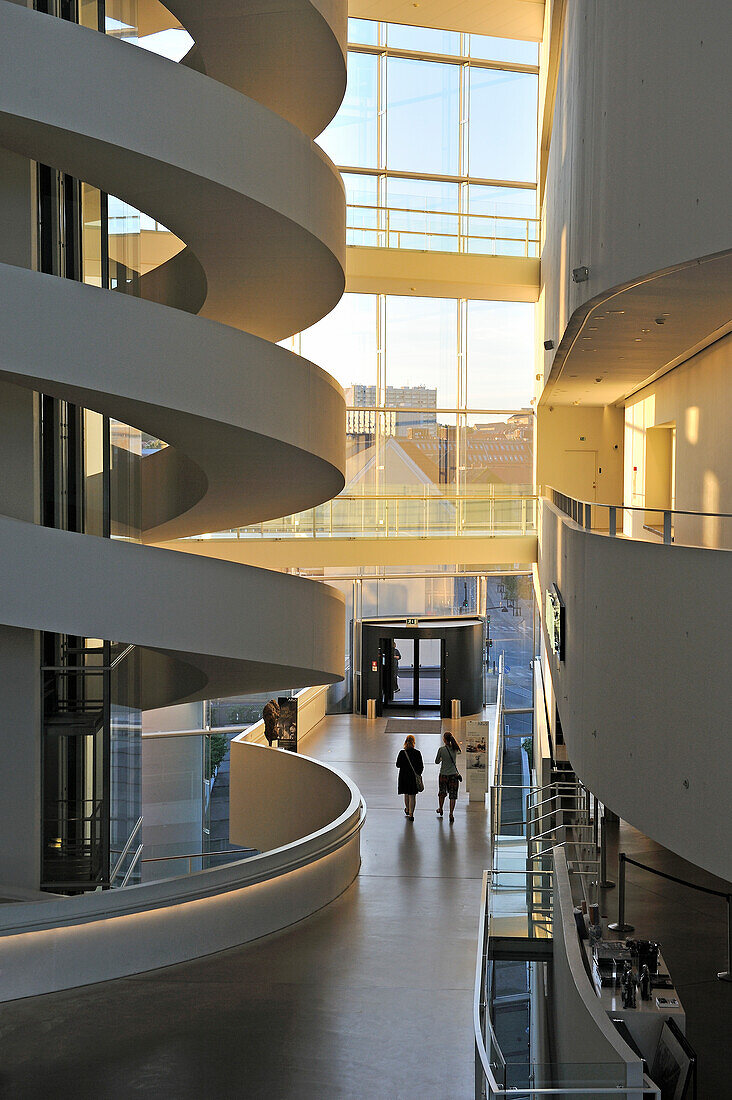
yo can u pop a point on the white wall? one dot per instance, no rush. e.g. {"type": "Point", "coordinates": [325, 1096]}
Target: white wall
{"type": "Point", "coordinates": [644, 691]}
{"type": "Point", "coordinates": [697, 398]}
{"type": "Point", "coordinates": [634, 181]}
{"type": "Point", "coordinates": [277, 796]}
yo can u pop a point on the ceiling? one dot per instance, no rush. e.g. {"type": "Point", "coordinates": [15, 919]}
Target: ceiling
{"type": "Point", "coordinates": [499, 18]}
{"type": "Point", "coordinates": [624, 339]}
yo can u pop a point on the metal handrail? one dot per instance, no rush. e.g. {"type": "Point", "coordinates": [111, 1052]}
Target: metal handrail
{"type": "Point", "coordinates": [132, 866]}
{"type": "Point", "coordinates": [638, 507]}
{"type": "Point", "coordinates": [581, 511]}
{"type": "Point", "coordinates": [384, 232]}
{"type": "Point", "coordinates": [198, 855]}
{"type": "Point", "coordinates": [384, 229]}
{"type": "Point", "coordinates": [115, 870]}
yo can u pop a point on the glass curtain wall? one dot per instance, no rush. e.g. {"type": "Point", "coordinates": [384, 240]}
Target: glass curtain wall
{"type": "Point", "coordinates": [438, 129]}
{"type": "Point", "coordinates": [438, 393]}
{"type": "Point", "coordinates": [436, 140]}
{"type": "Point", "coordinates": [90, 484]}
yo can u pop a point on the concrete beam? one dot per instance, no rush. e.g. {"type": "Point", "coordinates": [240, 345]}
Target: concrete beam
{"type": "Point", "coordinates": [442, 274]}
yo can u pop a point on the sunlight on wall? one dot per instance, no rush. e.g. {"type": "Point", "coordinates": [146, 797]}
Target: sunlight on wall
{"type": "Point", "coordinates": [638, 419]}
{"type": "Point", "coordinates": [711, 525]}
{"type": "Point", "coordinates": [692, 424]}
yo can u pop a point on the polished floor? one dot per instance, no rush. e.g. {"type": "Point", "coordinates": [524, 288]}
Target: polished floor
{"type": "Point", "coordinates": [369, 998]}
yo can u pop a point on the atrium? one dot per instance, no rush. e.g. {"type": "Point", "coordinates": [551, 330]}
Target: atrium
{"type": "Point", "coordinates": [364, 381]}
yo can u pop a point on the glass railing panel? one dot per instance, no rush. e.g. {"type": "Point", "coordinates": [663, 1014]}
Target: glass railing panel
{"type": "Point", "coordinates": [400, 516]}
{"type": "Point", "coordinates": [441, 231]}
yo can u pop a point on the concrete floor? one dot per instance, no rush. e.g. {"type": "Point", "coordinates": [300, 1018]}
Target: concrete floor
{"type": "Point", "coordinates": [370, 998]}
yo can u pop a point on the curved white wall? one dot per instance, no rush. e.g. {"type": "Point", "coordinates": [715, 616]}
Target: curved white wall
{"type": "Point", "coordinates": [60, 943]}
{"type": "Point", "coordinates": [276, 795]}
{"type": "Point", "coordinates": [644, 690]}
{"type": "Point", "coordinates": [635, 178]}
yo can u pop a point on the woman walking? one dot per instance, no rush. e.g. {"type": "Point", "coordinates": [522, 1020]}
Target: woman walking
{"type": "Point", "coordinates": [449, 774]}
{"type": "Point", "coordinates": [411, 765]}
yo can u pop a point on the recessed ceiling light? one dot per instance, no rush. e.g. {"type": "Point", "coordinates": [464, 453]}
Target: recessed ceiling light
{"type": "Point", "coordinates": [616, 311]}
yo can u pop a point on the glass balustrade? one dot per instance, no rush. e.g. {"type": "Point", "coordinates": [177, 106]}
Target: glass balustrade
{"type": "Point", "coordinates": [372, 226]}
{"type": "Point", "coordinates": [399, 517]}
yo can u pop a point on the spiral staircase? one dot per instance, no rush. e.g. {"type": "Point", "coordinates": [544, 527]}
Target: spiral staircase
{"type": "Point", "coordinates": [219, 149]}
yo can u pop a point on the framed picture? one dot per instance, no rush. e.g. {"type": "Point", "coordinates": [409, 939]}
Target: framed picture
{"type": "Point", "coordinates": [673, 1063]}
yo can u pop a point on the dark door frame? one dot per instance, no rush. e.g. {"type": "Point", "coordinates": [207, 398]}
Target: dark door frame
{"type": "Point", "coordinates": [385, 676]}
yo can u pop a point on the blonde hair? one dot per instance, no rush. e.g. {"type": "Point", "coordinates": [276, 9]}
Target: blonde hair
{"type": "Point", "coordinates": [409, 741]}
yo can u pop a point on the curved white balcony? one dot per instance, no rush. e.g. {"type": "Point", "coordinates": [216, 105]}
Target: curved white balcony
{"type": "Point", "coordinates": [65, 942]}
{"type": "Point", "coordinates": [643, 685]}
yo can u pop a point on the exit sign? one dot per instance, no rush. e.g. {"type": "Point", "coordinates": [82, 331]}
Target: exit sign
{"type": "Point", "coordinates": [411, 622]}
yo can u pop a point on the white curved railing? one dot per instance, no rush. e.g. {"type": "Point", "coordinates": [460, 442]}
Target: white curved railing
{"type": "Point", "coordinates": [66, 942]}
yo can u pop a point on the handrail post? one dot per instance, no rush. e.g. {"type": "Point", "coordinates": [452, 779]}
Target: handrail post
{"type": "Point", "coordinates": [613, 520]}
{"type": "Point", "coordinates": [620, 925]}
{"type": "Point", "coordinates": [667, 527]}
{"type": "Point", "coordinates": [604, 882]}
{"type": "Point", "coordinates": [588, 517]}
{"type": "Point", "coordinates": [726, 975]}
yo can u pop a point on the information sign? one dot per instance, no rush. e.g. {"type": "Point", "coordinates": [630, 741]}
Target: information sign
{"type": "Point", "coordinates": [477, 740]}
{"type": "Point", "coordinates": [287, 724]}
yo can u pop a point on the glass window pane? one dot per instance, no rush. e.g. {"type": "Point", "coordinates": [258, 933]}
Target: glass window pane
{"type": "Point", "coordinates": [361, 190]}
{"type": "Point", "coordinates": [91, 211]}
{"type": "Point", "coordinates": [362, 197]}
{"type": "Point", "coordinates": [365, 31]}
{"type": "Point", "coordinates": [427, 227]}
{"type": "Point", "coordinates": [352, 137]}
{"type": "Point", "coordinates": [344, 344]}
{"type": "Point", "coordinates": [498, 451]}
{"type": "Point", "coordinates": [504, 49]}
{"type": "Point", "coordinates": [518, 202]}
{"type": "Point", "coordinates": [420, 460]}
{"type": "Point", "coordinates": [500, 355]}
{"type": "Point", "coordinates": [422, 39]}
{"type": "Point", "coordinates": [502, 126]}
{"type": "Point", "coordinates": [502, 221]}
{"type": "Point", "coordinates": [422, 116]}
{"type": "Point", "coordinates": [421, 355]}
{"type": "Point", "coordinates": [361, 450]}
